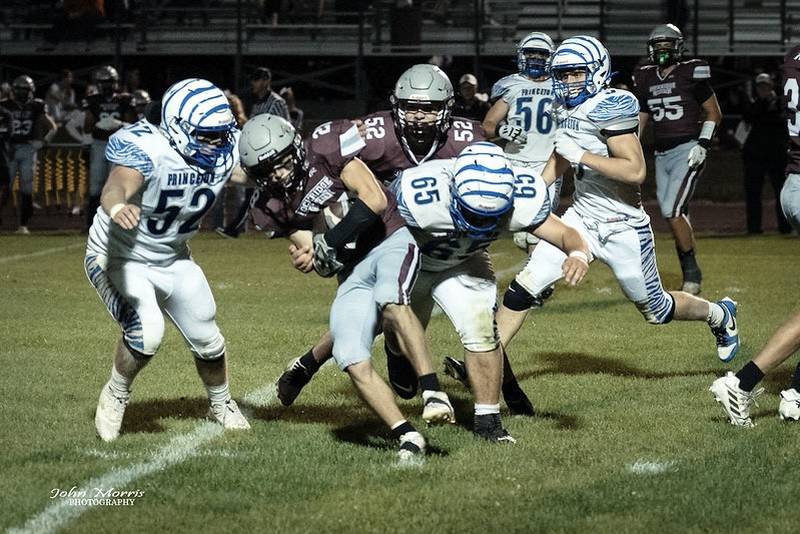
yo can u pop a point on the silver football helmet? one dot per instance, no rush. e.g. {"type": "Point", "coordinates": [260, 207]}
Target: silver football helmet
{"type": "Point", "coordinates": [422, 104]}
{"type": "Point", "coordinates": [23, 88]}
{"type": "Point", "coordinates": [271, 153]}
{"type": "Point", "coordinates": [665, 45]}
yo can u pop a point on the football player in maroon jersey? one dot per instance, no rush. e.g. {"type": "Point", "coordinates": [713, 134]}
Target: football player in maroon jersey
{"type": "Point", "coordinates": [677, 94]}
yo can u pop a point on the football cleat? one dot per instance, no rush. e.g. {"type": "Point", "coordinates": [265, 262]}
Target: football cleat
{"type": "Point", "coordinates": [437, 409]}
{"type": "Point", "coordinates": [402, 376]}
{"type": "Point", "coordinates": [517, 401]}
{"type": "Point", "coordinates": [693, 288]}
{"type": "Point", "coordinates": [490, 428]}
{"type": "Point", "coordinates": [228, 415]}
{"type": "Point", "coordinates": [108, 417]}
{"type": "Point", "coordinates": [292, 381]}
{"type": "Point", "coordinates": [727, 333]}
{"type": "Point", "coordinates": [412, 445]}
{"type": "Point", "coordinates": [735, 401]}
{"type": "Point", "coordinates": [456, 370]}
{"type": "Point", "coordinates": [789, 407]}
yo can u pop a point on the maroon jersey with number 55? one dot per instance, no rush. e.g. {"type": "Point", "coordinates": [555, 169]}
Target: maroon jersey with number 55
{"type": "Point", "coordinates": [791, 92]}
{"type": "Point", "coordinates": [380, 148]}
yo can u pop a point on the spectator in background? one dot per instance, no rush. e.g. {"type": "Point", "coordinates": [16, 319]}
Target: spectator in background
{"type": "Point", "coordinates": [139, 100]}
{"type": "Point", "coordinates": [295, 113]}
{"type": "Point", "coordinates": [6, 128]}
{"type": "Point", "coordinates": [470, 103]}
{"type": "Point", "coordinates": [264, 100]}
{"type": "Point", "coordinates": [764, 152]}
{"type": "Point", "coordinates": [60, 97]}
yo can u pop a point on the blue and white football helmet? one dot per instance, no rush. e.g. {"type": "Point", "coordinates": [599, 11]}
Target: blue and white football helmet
{"type": "Point", "coordinates": [482, 190]}
{"type": "Point", "coordinates": [197, 120]}
{"type": "Point", "coordinates": [580, 53]}
{"type": "Point", "coordinates": [533, 54]}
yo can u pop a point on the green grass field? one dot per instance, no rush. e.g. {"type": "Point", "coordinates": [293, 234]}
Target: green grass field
{"type": "Point", "coordinates": [627, 437]}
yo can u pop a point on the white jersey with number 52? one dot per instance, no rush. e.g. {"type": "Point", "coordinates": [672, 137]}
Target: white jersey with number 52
{"type": "Point", "coordinates": [423, 198]}
{"type": "Point", "coordinates": [173, 199]}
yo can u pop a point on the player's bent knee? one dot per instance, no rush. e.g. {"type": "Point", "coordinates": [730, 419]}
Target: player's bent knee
{"type": "Point", "coordinates": [517, 298]}
{"type": "Point", "coordinates": [137, 354]}
{"type": "Point", "coordinates": [210, 350]}
{"type": "Point", "coordinates": [659, 309]}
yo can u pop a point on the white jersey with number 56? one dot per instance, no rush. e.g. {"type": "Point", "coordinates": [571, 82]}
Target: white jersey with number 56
{"type": "Point", "coordinates": [529, 106]}
{"type": "Point", "coordinates": [173, 199]}
{"type": "Point", "coordinates": [423, 198]}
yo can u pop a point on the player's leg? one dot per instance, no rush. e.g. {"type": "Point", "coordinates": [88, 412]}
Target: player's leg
{"type": "Point", "coordinates": [777, 177]}
{"type": "Point", "coordinates": [131, 300]}
{"type": "Point", "coordinates": [397, 263]}
{"type": "Point", "coordinates": [353, 323]}
{"type": "Point", "coordinates": [190, 305]}
{"type": "Point", "coordinates": [301, 369]}
{"type": "Point", "coordinates": [790, 200]}
{"type": "Point", "coordinates": [97, 177]}
{"type": "Point", "coordinates": [632, 257]}
{"type": "Point", "coordinates": [26, 170]}
{"type": "Point", "coordinates": [736, 392]}
{"type": "Point", "coordinates": [542, 271]}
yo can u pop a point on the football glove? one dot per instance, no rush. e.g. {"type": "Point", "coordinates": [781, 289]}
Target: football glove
{"type": "Point", "coordinates": [697, 155]}
{"type": "Point", "coordinates": [513, 134]}
{"type": "Point", "coordinates": [325, 262]}
{"type": "Point", "coordinates": [568, 148]}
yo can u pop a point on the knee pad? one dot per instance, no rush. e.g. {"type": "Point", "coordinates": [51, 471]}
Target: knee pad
{"type": "Point", "coordinates": [659, 310]}
{"type": "Point", "coordinates": [210, 350]}
{"type": "Point", "coordinates": [137, 355]}
{"type": "Point", "coordinates": [518, 299]}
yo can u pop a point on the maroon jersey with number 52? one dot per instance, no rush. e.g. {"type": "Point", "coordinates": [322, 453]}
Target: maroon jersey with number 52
{"type": "Point", "coordinates": [381, 150]}
{"type": "Point", "coordinates": [675, 100]}
{"type": "Point", "coordinates": [791, 92]}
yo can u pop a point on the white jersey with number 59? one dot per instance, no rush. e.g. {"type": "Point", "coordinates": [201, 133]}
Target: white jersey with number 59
{"type": "Point", "coordinates": [173, 199]}
{"type": "Point", "coordinates": [529, 106]}
{"type": "Point", "coordinates": [423, 198]}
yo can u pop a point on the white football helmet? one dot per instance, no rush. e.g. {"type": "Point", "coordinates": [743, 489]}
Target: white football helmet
{"type": "Point", "coordinates": [533, 54]}
{"type": "Point", "coordinates": [580, 53]}
{"type": "Point", "coordinates": [197, 120]}
{"type": "Point", "coordinates": [482, 190]}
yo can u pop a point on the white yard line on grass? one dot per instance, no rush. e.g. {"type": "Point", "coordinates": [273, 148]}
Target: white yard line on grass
{"type": "Point", "coordinates": [178, 450]}
{"type": "Point", "coordinates": [650, 467]}
{"type": "Point", "coordinates": [43, 252]}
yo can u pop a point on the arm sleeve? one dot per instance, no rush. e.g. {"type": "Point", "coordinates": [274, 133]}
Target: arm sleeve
{"type": "Point", "coordinates": [703, 91]}
{"type": "Point", "coordinates": [640, 91]}
{"type": "Point", "coordinates": [125, 152]}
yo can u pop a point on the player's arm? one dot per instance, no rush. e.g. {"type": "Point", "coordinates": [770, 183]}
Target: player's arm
{"type": "Point", "coordinates": [89, 120]}
{"type": "Point", "coordinates": [496, 114]}
{"type": "Point", "coordinates": [625, 162]}
{"type": "Point", "coordinates": [239, 177]}
{"type": "Point", "coordinates": [122, 184]}
{"type": "Point", "coordinates": [301, 250]}
{"type": "Point", "coordinates": [556, 166]}
{"type": "Point", "coordinates": [644, 118]}
{"type": "Point", "coordinates": [554, 231]}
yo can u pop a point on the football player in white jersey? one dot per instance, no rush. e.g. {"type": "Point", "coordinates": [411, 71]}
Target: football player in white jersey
{"type": "Point", "coordinates": [521, 113]}
{"type": "Point", "coordinates": [597, 135]}
{"type": "Point", "coordinates": [456, 208]}
{"type": "Point", "coordinates": [163, 181]}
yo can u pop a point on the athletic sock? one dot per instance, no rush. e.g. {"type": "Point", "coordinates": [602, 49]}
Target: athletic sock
{"type": "Point", "coordinates": [796, 379]}
{"type": "Point", "coordinates": [487, 409]}
{"type": "Point", "coordinates": [691, 271]}
{"type": "Point", "coordinates": [218, 394]}
{"type": "Point", "coordinates": [509, 379]}
{"type": "Point", "coordinates": [715, 315]}
{"type": "Point", "coordinates": [120, 385]}
{"type": "Point", "coordinates": [749, 376]}
{"type": "Point", "coordinates": [307, 360]}
{"type": "Point", "coordinates": [403, 427]}
{"type": "Point", "coordinates": [429, 382]}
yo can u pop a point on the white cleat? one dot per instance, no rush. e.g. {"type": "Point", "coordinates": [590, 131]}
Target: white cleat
{"type": "Point", "coordinates": [693, 288]}
{"type": "Point", "coordinates": [23, 230]}
{"type": "Point", "coordinates": [412, 448]}
{"type": "Point", "coordinates": [437, 409]}
{"type": "Point", "coordinates": [789, 407]}
{"type": "Point", "coordinates": [109, 413]}
{"type": "Point", "coordinates": [228, 415]}
{"type": "Point", "coordinates": [735, 401]}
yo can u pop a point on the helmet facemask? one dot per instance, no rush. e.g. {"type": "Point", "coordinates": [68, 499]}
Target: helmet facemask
{"type": "Point", "coordinates": [204, 146]}
{"type": "Point", "coordinates": [21, 94]}
{"type": "Point", "coordinates": [282, 173]}
{"type": "Point", "coordinates": [569, 88]}
{"type": "Point", "coordinates": [533, 62]}
{"type": "Point", "coordinates": [421, 123]}
{"type": "Point", "coordinates": [665, 51]}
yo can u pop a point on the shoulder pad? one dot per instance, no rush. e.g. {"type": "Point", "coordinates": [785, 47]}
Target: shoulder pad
{"type": "Point", "coordinates": [698, 69]}
{"type": "Point", "coordinates": [132, 147]}
{"type": "Point", "coordinates": [502, 86]}
{"type": "Point", "coordinates": [614, 104]}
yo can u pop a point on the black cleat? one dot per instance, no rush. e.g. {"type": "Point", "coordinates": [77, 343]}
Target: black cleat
{"type": "Point", "coordinates": [402, 376]}
{"type": "Point", "coordinates": [490, 428]}
{"type": "Point", "coordinates": [517, 401]}
{"type": "Point", "coordinates": [291, 382]}
{"type": "Point", "coordinates": [226, 233]}
{"type": "Point", "coordinates": [456, 369]}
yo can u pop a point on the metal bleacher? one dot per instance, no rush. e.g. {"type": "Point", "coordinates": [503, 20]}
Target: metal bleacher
{"type": "Point", "coordinates": [466, 27]}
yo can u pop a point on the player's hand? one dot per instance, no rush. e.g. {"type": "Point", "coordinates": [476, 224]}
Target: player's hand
{"type": "Point", "coordinates": [697, 155]}
{"type": "Point", "coordinates": [302, 258]}
{"type": "Point", "coordinates": [512, 133]}
{"type": "Point", "coordinates": [362, 128]}
{"type": "Point", "coordinates": [127, 216]}
{"type": "Point", "coordinates": [325, 262]}
{"type": "Point", "coordinates": [568, 147]}
{"type": "Point", "coordinates": [575, 268]}
{"type": "Point", "coordinates": [109, 123]}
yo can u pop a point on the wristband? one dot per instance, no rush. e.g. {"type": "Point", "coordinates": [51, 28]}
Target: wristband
{"type": "Point", "coordinates": [115, 209]}
{"type": "Point", "coordinates": [707, 132]}
{"type": "Point", "coordinates": [581, 255]}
